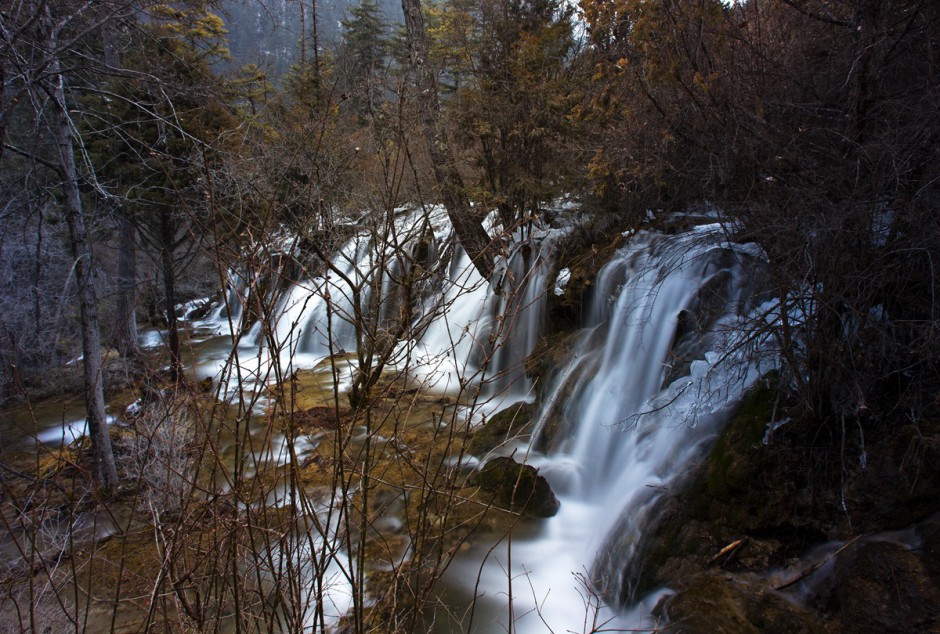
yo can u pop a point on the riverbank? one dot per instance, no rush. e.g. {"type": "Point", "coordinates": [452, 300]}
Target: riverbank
{"type": "Point", "coordinates": [802, 529]}
{"type": "Point", "coordinates": [385, 492]}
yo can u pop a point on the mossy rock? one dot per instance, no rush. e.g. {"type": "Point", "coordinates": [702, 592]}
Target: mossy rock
{"type": "Point", "coordinates": [583, 254]}
{"type": "Point", "coordinates": [550, 353]}
{"type": "Point", "coordinates": [713, 604]}
{"type": "Point", "coordinates": [509, 423]}
{"type": "Point", "coordinates": [744, 490]}
{"type": "Point", "coordinates": [730, 469]}
{"type": "Point", "coordinates": [518, 487]}
{"type": "Point", "coordinates": [884, 588]}
{"type": "Point", "coordinates": [765, 489]}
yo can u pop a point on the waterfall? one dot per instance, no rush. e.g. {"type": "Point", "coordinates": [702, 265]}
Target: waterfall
{"type": "Point", "coordinates": [518, 313]}
{"type": "Point", "coordinates": [462, 333]}
{"type": "Point", "coordinates": [647, 387]}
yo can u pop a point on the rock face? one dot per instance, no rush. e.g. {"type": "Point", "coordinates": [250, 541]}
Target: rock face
{"type": "Point", "coordinates": [517, 487]}
{"type": "Point", "coordinates": [775, 499]}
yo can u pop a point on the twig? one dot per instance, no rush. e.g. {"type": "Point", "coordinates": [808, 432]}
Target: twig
{"type": "Point", "coordinates": [806, 573]}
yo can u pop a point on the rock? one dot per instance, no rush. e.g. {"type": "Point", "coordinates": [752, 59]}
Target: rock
{"type": "Point", "coordinates": [583, 255]}
{"type": "Point", "coordinates": [200, 310]}
{"type": "Point", "coordinates": [502, 427]}
{"type": "Point", "coordinates": [518, 487]}
{"type": "Point", "coordinates": [715, 604]}
{"type": "Point", "coordinates": [885, 588]}
{"type": "Point", "coordinates": [813, 483]}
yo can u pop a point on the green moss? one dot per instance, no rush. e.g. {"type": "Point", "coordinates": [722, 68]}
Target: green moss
{"type": "Point", "coordinates": [712, 604]}
{"type": "Point", "coordinates": [731, 465]}
{"type": "Point", "coordinates": [509, 423]}
{"type": "Point", "coordinates": [518, 487]}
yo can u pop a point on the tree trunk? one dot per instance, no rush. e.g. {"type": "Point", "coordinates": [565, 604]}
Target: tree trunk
{"type": "Point", "coordinates": [469, 230]}
{"type": "Point", "coordinates": [316, 47]}
{"type": "Point", "coordinates": [127, 287]}
{"type": "Point", "coordinates": [167, 240]}
{"type": "Point", "coordinates": [84, 268]}
{"type": "Point", "coordinates": [303, 35]}
{"type": "Point", "coordinates": [126, 330]}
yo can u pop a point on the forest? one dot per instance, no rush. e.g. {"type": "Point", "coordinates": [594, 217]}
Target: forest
{"type": "Point", "coordinates": [307, 309]}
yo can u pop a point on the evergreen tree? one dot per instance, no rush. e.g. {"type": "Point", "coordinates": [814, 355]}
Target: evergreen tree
{"type": "Point", "coordinates": [364, 56]}
{"type": "Point", "coordinates": [157, 130]}
{"type": "Point", "coordinates": [514, 108]}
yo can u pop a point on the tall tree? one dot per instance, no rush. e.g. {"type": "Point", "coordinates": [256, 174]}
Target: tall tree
{"type": "Point", "coordinates": [364, 55]}
{"type": "Point", "coordinates": [467, 225]}
{"type": "Point", "coordinates": [160, 119]}
{"type": "Point", "coordinates": [515, 111]}
{"type": "Point", "coordinates": [49, 64]}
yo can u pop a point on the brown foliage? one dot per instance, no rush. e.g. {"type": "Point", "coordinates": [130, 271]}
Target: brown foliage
{"type": "Point", "coordinates": [814, 126]}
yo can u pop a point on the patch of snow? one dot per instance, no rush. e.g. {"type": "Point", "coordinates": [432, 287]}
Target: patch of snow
{"type": "Point", "coordinates": [133, 410]}
{"type": "Point", "coordinates": [561, 282]}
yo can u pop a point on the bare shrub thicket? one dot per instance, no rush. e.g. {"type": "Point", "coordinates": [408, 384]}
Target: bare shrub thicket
{"type": "Point", "coordinates": [158, 452]}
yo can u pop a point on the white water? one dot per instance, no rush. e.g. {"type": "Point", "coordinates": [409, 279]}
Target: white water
{"type": "Point", "coordinates": [630, 438]}
{"type": "Point", "coordinates": [463, 335]}
{"type": "Point", "coordinates": [627, 436]}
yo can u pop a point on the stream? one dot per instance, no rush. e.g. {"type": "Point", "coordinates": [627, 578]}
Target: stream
{"type": "Point", "coordinates": [650, 379]}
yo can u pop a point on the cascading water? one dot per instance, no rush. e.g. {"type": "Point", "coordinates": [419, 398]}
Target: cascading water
{"type": "Point", "coordinates": [518, 313]}
{"type": "Point", "coordinates": [630, 433]}
{"type": "Point", "coordinates": [645, 390]}
{"type": "Point", "coordinates": [463, 333]}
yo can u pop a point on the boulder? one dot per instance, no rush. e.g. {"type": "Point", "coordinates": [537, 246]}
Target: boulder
{"type": "Point", "coordinates": [502, 427]}
{"type": "Point", "coordinates": [518, 487]}
{"type": "Point", "coordinates": [884, 588]}
{"type": "Point", "coordinates": [715, 604]}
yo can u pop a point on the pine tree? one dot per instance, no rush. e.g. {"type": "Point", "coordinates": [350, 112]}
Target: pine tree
{"type": "Point", "coordinates": [515, 108]}
{"type": "Point", "coordinates": [364, 57]}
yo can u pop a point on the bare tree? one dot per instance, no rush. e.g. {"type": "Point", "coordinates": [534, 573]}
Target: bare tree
{"type": "Point", "coordinates": [63, 127]}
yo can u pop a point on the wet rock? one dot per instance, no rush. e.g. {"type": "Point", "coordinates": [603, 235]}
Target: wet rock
{"type": "Point", "coordinates": [501, 428]}
{"type": "Point", "coordinates": [200, 310]}
{"type": "Point", "coordinates": [806, 487]}
{"type": "Point", "coordinates": [714, 604]}
{"type": "Point", "coordinates": [518, 487]}
{"type": "Point", "coordinates": [885, 588]}
{"type": "Point", "coordinates": [549, 354]}
{"type": "Point", "coordinates": [582, 254]}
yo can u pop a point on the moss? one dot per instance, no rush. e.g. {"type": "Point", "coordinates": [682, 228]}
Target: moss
{"type": "Point", "coordinates": [731, 467]}
{"type": "Point", "coordinates": [518, 487]}
{"type": "Point", "coordinates": [714, 605]}
{"type": "Point", "coordinates": [509, 423]}
{"type": "Point", "coordinates": [549, 353]}
{"type": "Point", "coordinates": [885, 588]}
{"type": "Point", "coordinates": [583, 255]}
